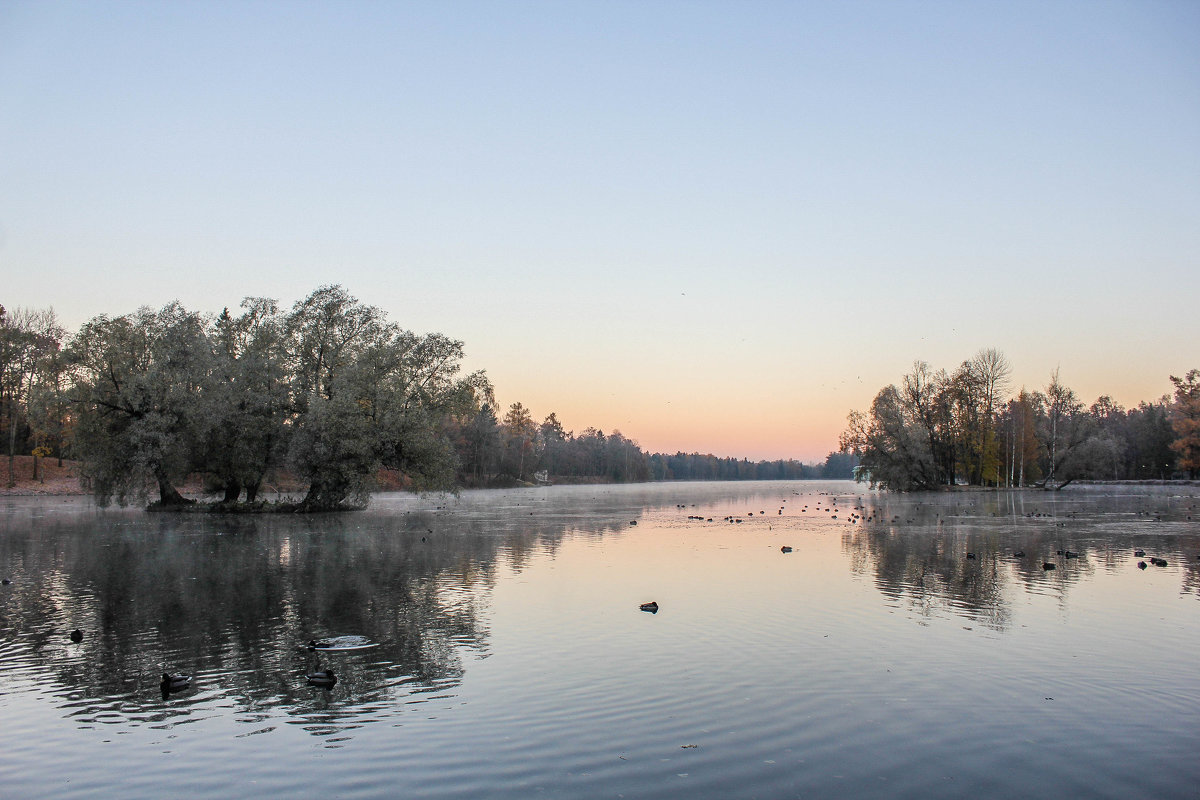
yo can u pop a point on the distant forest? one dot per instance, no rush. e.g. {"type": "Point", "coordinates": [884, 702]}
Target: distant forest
{"type": "Point", "coordinates": [329, 392]}
{"type": "Point", "coordinates": [940, 428]}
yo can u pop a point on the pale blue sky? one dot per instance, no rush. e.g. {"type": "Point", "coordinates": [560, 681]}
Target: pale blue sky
{"type": "Point", "coordinates": [715, 226]}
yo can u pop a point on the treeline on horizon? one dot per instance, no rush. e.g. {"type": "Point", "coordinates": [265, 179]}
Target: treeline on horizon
{"type": "Point", "coordinates": [329, 392]}
{"type": "Point", "coordinates": [517, 447]}
{"type": "Point", "coordinates": [940, 428]}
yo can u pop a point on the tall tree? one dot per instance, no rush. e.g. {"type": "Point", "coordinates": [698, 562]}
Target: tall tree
{"type": "Point", "coordinates": [927, 397]}
{"type": "Point", "coordinates": [1024, 412]}
{"type": "Point", "coordinates": [555, 443]}
{"type": "Point", "coordinates": [378, 397]}
{"type": "Point", "coordinates": [331, 445]}
{"type": "Point", "coordinates": [49, 403]}
{"type": "Point", "coordinates": [1108, 447]}
{"type": "Point", "coordinates": [991, 371]}
{"type": "Point", "coordinates": [481, 441]}
{"type": "Point", "coordinates": [891, 445]}
{"type": "Point", "coordinates": [138, 393]}
{"type": "Point", "coordinates": [520, 433]}
{"type": "Point", "coordinates": [246, 422]}
{"type": "Point", "coordinates": [1065, 428]}
{"type": "Point", "coordinates": [1185, 420]}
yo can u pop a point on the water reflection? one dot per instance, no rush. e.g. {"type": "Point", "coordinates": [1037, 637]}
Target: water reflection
{"type": "Point", "coordinates": [510, 656]}
{"type": "Point", "coordinates": [969, 553]}
{"type": "Point", "coordinates": [233, 601]}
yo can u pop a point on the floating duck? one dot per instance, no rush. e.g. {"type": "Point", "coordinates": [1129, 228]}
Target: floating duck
{"type": "Point", "coordinates": [652, 607]}
{"type": "Point", "coordinates": [324, 678]}
{"type": "Point", "coordinates": [174, 683]}
{"type": "Point", "coordinates": [1019, 554]}
{"type": "Point", "coordinates": [1141, 565]}
{"type": "Point", "coordinates": [785, 549]}
{"type": "Point", "coordinates": [1047, 565]}
{"type": "Point", "coordinates": [1158, 562]}
{"type": "Point", "coordinates": [971, 556]}
{"type": "Point", "coordinates": [1139, 553]}
{"type": "Point", "coordinates": [77, 635]}
{"type": "Point", "coordinates": [350, 642]}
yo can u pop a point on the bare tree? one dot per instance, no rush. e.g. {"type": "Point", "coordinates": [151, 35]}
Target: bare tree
{"type": "Point", "coordinates": [1063, 431]}
{"type": "Point", "coordinates": [991, 371]}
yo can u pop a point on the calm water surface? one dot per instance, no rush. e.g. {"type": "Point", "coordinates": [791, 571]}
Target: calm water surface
{"type": "Point", "coordinates": [511, 661]}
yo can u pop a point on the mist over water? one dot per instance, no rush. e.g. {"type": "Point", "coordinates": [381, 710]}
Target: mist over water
{"type": "Point", "coordinates": [510, 657]}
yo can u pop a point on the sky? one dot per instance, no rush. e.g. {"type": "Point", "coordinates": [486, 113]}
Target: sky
{"type": "Point", "coordinates": [713, 226]}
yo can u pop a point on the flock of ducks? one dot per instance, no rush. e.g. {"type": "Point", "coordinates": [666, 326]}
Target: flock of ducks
{"type": "Point", "coordinates": [854, 516]}
{"type": "Point", "coordinates": [324, 679]}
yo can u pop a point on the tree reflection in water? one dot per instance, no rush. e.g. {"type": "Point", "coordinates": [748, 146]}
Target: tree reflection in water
{"type": "Point", "coordinates": [916, 545]}
{"type": "Point", "coordinates": [232, 600]}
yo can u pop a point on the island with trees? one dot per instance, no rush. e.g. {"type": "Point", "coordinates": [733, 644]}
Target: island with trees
{"type": "Point", "coordinates": [329, 393]}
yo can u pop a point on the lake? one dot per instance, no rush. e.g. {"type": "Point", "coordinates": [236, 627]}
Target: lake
{"type": "Point", "coordinates": [508, 656]}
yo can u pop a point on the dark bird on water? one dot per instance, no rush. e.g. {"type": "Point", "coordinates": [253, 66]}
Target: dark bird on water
{"type": "Point", "coordinates": [785, 549]}
{"type": "Point", "coordinates": [652, 607]}
{"type": "Point", "coordinates": [324, 678]}
{"type": "Point", "coordinates": [174, 683]}
{"type": "Point", "coordinates": [1048, 565]}
{"type": "Point", "coordinates": [77, 635]}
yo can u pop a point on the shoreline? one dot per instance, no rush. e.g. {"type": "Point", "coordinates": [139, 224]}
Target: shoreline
{"type": "Point", "coordinates": [56, 481]}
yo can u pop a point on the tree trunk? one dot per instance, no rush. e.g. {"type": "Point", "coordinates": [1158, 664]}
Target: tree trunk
{"type": "Point", "coordinates": [310, 497]}
{"type": "Point", "coordinates": [1053, 445]}
{"type": "Point", "coordinates": [324, 497]}
{"type": "Point", "coordinates": [252, 491]}
{"type": "Point", "coordinates": [168, 495]}
{"type": "Point", "coordinates": [232, 490]}
{"type": "Point", "coordinates": [12, 445]}
{"type": "Point", "coordinates": [1021, 452]}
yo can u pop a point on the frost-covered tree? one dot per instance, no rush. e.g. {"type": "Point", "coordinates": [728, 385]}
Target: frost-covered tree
{"type": "Point", "coordinates": [370, 395]}
{"type": "Point", "coordinates": [138, 389]}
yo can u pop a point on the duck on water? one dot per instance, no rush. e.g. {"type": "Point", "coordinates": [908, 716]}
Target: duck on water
{"type": "Point", "coordinates": [174, 683]}
{"type": "Point", "coordinates": [324, 678]}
